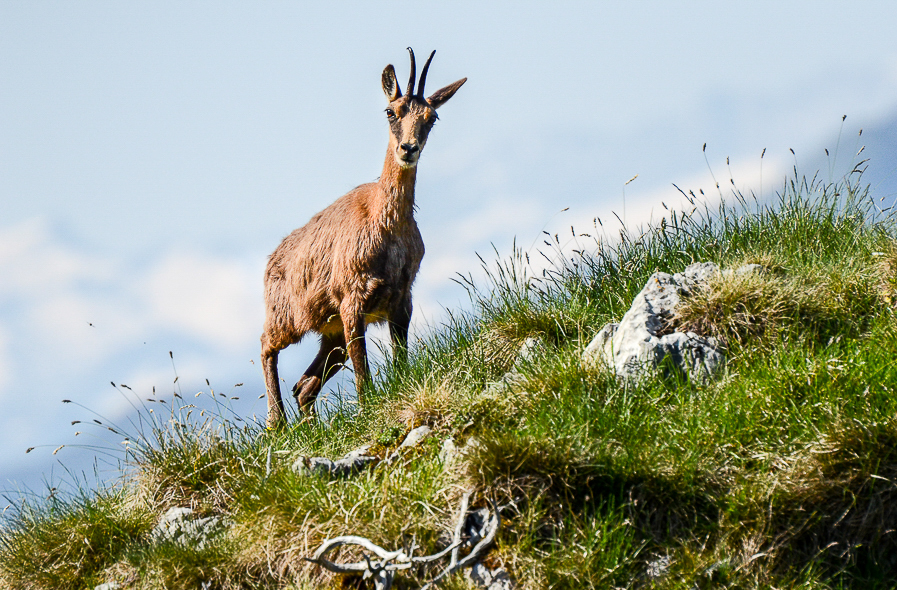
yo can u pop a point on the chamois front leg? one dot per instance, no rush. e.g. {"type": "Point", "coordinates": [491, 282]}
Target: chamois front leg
{"type": "Point", "coordinates": [352, 315]}
{"type": "Point", "coordinates": [276, 414]}
{"type": "Point", "coordinates": [398, 330]}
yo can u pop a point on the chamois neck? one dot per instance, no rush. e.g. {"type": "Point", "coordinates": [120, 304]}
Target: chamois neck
{"type": "Point", "coordinates": [396, 190]}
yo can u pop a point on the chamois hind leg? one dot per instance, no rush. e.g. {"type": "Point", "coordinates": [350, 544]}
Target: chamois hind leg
{"type": "Point", "coordinates": [276, 414]}
{"type": "Point", "coordinates": [328, 361]}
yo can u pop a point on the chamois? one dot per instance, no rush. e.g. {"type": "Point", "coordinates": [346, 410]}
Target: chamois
{"type": "Point", "coordinates": [353, 263]}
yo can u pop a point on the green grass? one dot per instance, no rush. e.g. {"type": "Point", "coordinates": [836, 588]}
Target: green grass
{"type": "Point", "coordinates": [67, 544]}
{"type": "Point", "coordinates": [780, 474]}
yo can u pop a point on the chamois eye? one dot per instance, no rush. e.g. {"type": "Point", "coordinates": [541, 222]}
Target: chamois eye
{"type": "Point", "coordinates": [390, 114]}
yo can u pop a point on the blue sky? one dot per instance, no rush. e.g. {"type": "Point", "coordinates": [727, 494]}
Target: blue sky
{"type": "Point", "coordinates": [152, 155]}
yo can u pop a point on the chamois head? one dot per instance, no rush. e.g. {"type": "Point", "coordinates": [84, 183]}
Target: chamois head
{"type": "Point", "coordinates": [412, 116]}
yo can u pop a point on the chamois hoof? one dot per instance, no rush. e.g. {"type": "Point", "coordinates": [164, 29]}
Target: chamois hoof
{"type": "Point", "coordinates": [306, 392]}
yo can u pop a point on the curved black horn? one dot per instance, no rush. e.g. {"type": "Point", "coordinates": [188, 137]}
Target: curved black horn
{"type": "Point", "coordinates": [423, 75]}
{"type": "Point", "coordinates": [410, 90]}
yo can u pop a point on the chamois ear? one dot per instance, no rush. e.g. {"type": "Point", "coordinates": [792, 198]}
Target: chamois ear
{"type": "Point", "coordinates": [441, 96]}
{"type": "Point", "coordinates": [390, 83]}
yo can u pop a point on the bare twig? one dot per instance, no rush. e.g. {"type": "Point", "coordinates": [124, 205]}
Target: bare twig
{"type": "Point", "coordinates": [360, 566]}
{"type": "Point", "coordinates": [465, 501]}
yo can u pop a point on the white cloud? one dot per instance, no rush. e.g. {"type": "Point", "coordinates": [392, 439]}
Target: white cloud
{"type": "Point", "coordinates": [6, 371]}
{"type": "Point", "coordinates": [62, 290]}
{"type": "Point", "coordinates": [81, 319]}
{"type": "Point", "coordinates": [31, 261]}
{"type": "Point", "coordinates": [215, 300]}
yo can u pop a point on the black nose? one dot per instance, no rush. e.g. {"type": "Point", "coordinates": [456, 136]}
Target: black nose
{"type": "Point", "coordinates": [409, 148]}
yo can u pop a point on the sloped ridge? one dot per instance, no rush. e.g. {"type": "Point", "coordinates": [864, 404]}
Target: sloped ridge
{"type": "Point", "coordinates": [730, 426]}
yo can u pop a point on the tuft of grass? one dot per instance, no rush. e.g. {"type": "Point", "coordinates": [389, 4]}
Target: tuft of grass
{"type": "Point", "coordinates": [887, 267]}
{"type": "Point", "coordinates": [834, 503]}
{"type": "Point", "coordinates": [174, 565]}
{"type": "Point", "coordinates": [595, 547]}
{"type": "Point", "coordinates": [767, 309]}
{"type": "Point", "coordinates": [67, 544]}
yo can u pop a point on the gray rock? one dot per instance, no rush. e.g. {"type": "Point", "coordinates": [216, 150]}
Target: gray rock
{"type": "Point", "coordinates": [108, 586]}
{"type": "Point", "coordinates": [475, 527]}
{"type": "Point", "coordinates": [415, 437]}
{"type": "Point", "coordinates": [173, 515]}
{"type": "Point", "coordinates": [482, 576]}
{"type": "Point", "coordinates": [531, 349]}
{"type": "Point", "coordinates": [320, 466]}
{"type": "Point", "coordinates": [178, 525]}
{"type": "Point", "coordinates": [699, 357]}
{"type": "Point", "coordinates": [351, 463]}
{"type": "Point", "coordinates": [602, 340]}
{"type": "Point", "coordinates": [694, 274]}
{"type": "Point", "coordinates": [412, 439]}
{"type": "Point", "coordinates": [658, 568]}
{"type": "Point", "coordinates": [639, 342]}
{"type": "Point", "coordinates": [449, 451]}
{"type": "Point", "coordinates": [361, 451]}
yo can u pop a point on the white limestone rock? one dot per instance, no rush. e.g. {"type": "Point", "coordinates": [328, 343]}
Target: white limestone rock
{"type": "Point", "coordinates": [658, 568]}
{"type": "Point", "coordinates": [639, 343]}
{"type": "Point", "coordinates": [413, 438]}
{"type": "Point", "coordinates": [449, 451]}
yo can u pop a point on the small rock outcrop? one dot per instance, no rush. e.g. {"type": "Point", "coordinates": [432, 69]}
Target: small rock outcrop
{"type": "Point", "coordinates": [449, 451]}
{"type": "Point", "coordinates": [412, 439]}
{"type": "Point", "coordinates": [351, 463]}
{"type": "Point", "coordinates": [642, 340]}
{"type": "Point", "coordinates": [179, 526]}
{"type": "Point", "coordinates": [357, 460]}
{"type": "Point", "coordinates": [483, 577]}
{"type": "Point", "coordinates": [658, 568]}
{"type": "Point", "coordinates": [529, 351]}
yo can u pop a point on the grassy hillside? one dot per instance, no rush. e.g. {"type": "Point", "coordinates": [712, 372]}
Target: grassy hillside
{"type": "Point", "coordinates": [781, 474]}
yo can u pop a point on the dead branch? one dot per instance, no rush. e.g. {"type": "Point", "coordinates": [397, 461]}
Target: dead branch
{"type": "Point", "coordinates": [382, 564]}
{"type": "Point", "coordinates": [471, 558]}
{"type": "Point", "coordinates": [465, 501]}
